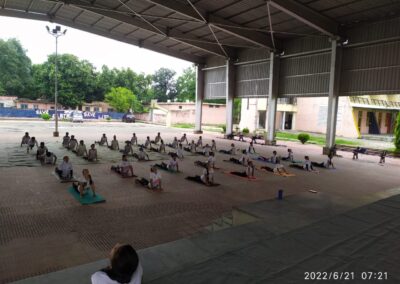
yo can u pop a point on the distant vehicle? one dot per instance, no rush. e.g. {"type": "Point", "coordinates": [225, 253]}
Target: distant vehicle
{"type": "Point", "coordinates": [128, 117]}
{"type": "Point", "coordinates": [77, 116]}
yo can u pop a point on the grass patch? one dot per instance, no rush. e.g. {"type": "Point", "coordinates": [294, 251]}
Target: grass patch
{"type": "Point", "coordinates": [318, 140]}
{"type": "Point", "coordinates": [184, 125]}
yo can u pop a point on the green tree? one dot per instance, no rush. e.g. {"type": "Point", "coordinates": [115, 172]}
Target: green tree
{"type": "Point", "coordinates": [164, 84]}
{"type": "Point", "coordinates": [186, 85]}
{"type": "Point", "coordinates": [397, 133]}
{"type": "Point", "coordinates": [76, 80]}
{"type": "Point", "coordinates": [15, 69]}
{"type": "Point", "coordinates": [122, 100]}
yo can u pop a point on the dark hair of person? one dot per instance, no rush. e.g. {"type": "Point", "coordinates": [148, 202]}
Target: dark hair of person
{"type": "Point", "coordinates": [124, 263]}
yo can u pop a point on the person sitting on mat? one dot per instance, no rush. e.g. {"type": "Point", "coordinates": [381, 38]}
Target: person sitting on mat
{"type": "Point", "coordinates": [134, 139]}
{"type": "Point", "coordinates": [243, 159]}
{"type": "Point", "coordinates": [64, 169]}
{"type": "Point", "coordinates": [124, 167]}
{"type": "Point", "coordinates": [183, 139]}
{"type": "Point", "coordinates": [92, 154]}
{"type": "Point", "coordinates": [213, 146]}
{"type": "Point", "coordinates": [49, 159]}
{"type": "Point", "coordinates": [289, 157]}
{"type": "Point", "coordinates": [66, 139]}
{"type": "Point", "coordinates": [157, 139]}
{"type": "Point", "coordinates": [199, 142]}
{"type": "Point", "coordinates": [81, 150]}
{"type": "Point", "coordinates": [103, 140]}
{"type": "Point", "coordinates": [73, 143]}
{"type": "Point", "coordinates": [251, 149]}
{"type": "Point", "coordinates": [25, 139]}
{"type": "Point", "coordinates": [191, 148]}
{"type": "Point", "coordinates": [205, 151]}
{"type": "Point", "coordinates": [32, 143]}
{"type": "Point", "coordinates": [84, 183]}
{"type": "Point", "coordinates": [274, 159]}
{"type": "Point", "coordinates": [382, 157]}
{"type": "Point", "coordinates": [147, 143]}
{"type": "Point", "coordinates": [174, 143]}
{"type": "Point", "coordinates": [155, 179]}
{"type": "Point", "coordinates": [161, 149]}
{"type": "Point", "coordinates": [249, 173]}
{"type": "Point", "coordinates": [241, 137]}
{"type": "Point", "coordinates": [41, 152]}
{"type": "Point", "coordinates": [231, 151]}
{"type": "Point", "coordinates": [210, 159]}
{"type": "Point", "coordinates": [142, 155]}
{"type": "Point", "coordinates": [307, 165]}
{"type": "Point", "coordinates": [172, 165]}
{"type": "Point", "coordinates": [355, 153]}
{"type": "Point", "coordinates": [278, 169]}
{"type": "Point", "coordinates": [114, 144]}
{"type": "Point", "coordinates": [124, 267]}
{"type": "Point", "coordinates": [127, 149]}
{"type": "Point", "coordinates": [179, 151]}
{"type": "Point", "coordinates": [206, 178]}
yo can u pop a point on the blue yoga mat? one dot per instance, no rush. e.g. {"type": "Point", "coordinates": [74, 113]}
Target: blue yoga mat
{"type": "Point", "coordinates": [87, 197]}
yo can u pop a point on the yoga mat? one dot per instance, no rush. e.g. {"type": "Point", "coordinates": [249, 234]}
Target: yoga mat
{"type": "Point", "coordinates": [166, 170]}
{"type": "Point", "coordinates": [199, 182]}
{"type": "Point", "coordinates": [246, 178]}
{"type": "Point", "coordinates": [63, 180]}
{"type": "Point", "coordinates": [87, 197]}
{"type": "Point", "coordinates": [128, 176]}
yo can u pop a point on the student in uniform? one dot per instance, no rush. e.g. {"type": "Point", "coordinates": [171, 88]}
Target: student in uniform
{"type": "Point", "coordinates": [73, 143]}
{"type": "Point", "coordinates": [307, 165]}
{"type": "Point", "coordinates": [213, 146]}
{"type": "Point", "coordinates": [66, 139]}
{"type": "Point", "coordinates": [251, 149]}
{"type": "Point", "coordinates": [124, 167]}
{"type": "Point", "coordinates": [114, 144]}
{"type": "Point", "coordinates": [25, 139]}
{"type": "Point", "coordinates": [142, 155]}
{"type": "Point", "coordinates": [199, 142]}
{"type": "Point", "coordinates": [191, 148]}
{"type": "Point", "coordinates": [382, 157]}
{"type": "Point", "coordinates": [211, 159]}
{"type": "Point", "coordinates": [49, 159]}
{"type": "Point", "coordinates": [231, 151]}
{"type": "Point", "coordinates": [124, 267]}
{"type": "Point", "coordinates": [127, 149]}
{"type": "Point", "coordinates": [147, 143]}
{"type": "Point", "coordinates": [84, 183]}
{"type": "Point", "coordinates": [154, 181]}
{"type": "Point", "coordinates": [174, 143]}
{"type": "Point", "coordinates": [278, 169]}
{"type": "Point", "coordinates": [289, 157]}
{"type": "Point", "coordinates": [161, 149]}
{"type": "Point", "coordinates": [41, 152]}
{"type": "Point", "coordinates": [103, 140]}
{"type": "Point", "coordinates": [92, 154]}
{"type": "Point", "coordinates": [355, 153]}
{"type": "Point", "coordinates": [206, 178]}
{"type": "Point", "coordinates": [157, 139]}
{"type": "Point", "coordinates": [179, 151]}
{"type": "Point", "coordinates": [183, 139]}
{"type": "Point", "coordinates": [64, 169]}
{"type": "Point", "coordinates": [243, 159]}
{"type": "Point", "coordinates": [134, 139]}
{"type": "Point", "coordinates": [249, 172]}
{"type": "Point", "coordinates": [32, 143]}
{"type": "Point", "coordinates": [81, 150]}
{"type": "Point", "coordinates": [172, 164]}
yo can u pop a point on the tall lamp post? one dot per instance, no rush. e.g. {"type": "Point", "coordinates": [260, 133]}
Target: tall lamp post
{"type": "Point", "coordinates": [56, 32]}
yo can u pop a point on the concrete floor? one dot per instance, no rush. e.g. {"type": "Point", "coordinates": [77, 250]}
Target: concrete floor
{"type": "Point", "coordinates": [44, 229]}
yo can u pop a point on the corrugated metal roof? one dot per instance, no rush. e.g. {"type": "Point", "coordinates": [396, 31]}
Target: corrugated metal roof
{"type": "Point", "coordinates": [184, 28]}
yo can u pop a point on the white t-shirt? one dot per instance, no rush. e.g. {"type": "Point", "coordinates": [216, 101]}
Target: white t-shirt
{"type": "Point", "coordinates": [142, 155]}
{"type": "Point", "coordinates": [125, 164]}
{"type": "Point", "coordinates": [65, 168]}
{"type": "Point", "coordinates": [155, 178]}
{"type": "Point", "coordinates": [211, 160]}
{"type": "Point", "coordinates": [25, 139]}
{"type": "Point", "coordinates": [210, 175]}
{"type": "Point", "coordinates": [41, 151]}
{"type": "Point", "coordinates": [134, 140]}
{"type": "Point", "coordinates": [114, 144]}
{"type": "Point", "coordinates": [72, 143]}
{"type": "Point", "coordinates": [49, 159]}
{"type": "Point", "coordinates": [92, 154]}
{"type": "Point", "coordinates": [80, 150]}
{"type": "Point", "coordinates": [101, 277]}
{"type": "Point", "coordinates": [103, 140]}
{"type": "Point", "coordinates": [179, 153]}
{"type": "Point", "coordinates": [147, 143]}
{"type": "Point", "coordinates": [192, 147]}
{"type": "Point", "coordinates": [233, 150]}
{"type": "Point", "coordinates": [206, 151]}
{"type": "Point", "coordinates": [173, 165]}
{"type": "Point", "coordinates": [307, 164]}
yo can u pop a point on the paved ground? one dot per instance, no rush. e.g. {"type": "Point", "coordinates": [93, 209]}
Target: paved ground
{"type": "Point", "coordinates": [43, 229]}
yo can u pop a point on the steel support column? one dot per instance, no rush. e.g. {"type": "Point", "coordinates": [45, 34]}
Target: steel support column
{"type": "Point", "coordinates": [333, 99]}
{"type": "Point", "coordinates": [199, 98]}
{"type": "Point", "coordinates": [230, 93]}
{"type": "Point", "coordinates": [272, 98]}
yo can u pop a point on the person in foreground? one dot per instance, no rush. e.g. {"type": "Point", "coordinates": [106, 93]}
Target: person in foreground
{"type": "Point", "coordinates": [124, 168]}
{"type": "Point", "coordinates": [154, 181]}
{"type": "Point", "coordinates": [64, 169]}
{"type": "Point", "coordinates": [85, 183]}
{"type": "Point", "coordinates": [124, 267]}
{"type": "Point", "coordinates": [207, 177]}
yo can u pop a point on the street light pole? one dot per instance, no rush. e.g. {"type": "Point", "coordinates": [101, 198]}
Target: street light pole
{"type": "Point", "coordinates": [56, 32]}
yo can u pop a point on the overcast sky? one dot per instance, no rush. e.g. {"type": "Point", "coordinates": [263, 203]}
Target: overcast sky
{"type": "Point", "coordinates": [96, 49]}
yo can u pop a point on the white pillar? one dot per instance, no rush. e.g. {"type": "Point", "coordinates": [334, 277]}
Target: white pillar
{"type": "Point", "coordinates": [333, 99]}
{"type": "Point", "coordinates": [230, 93]}
{"type": "Point", "coordinates": [272, 98]}
{"type": "Point", "coordinates": [283, 120]}
{"type": "Point", "coordinates": [199, 98]}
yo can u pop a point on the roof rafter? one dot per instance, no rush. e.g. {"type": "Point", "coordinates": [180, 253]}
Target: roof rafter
{"type": "Point", "coordinates": [307, 16]}
{"type": "Point", "coordinates": [105, 33]}
{"type": "Point", "coordinates": [257, 38]}
{"type": "Point", "coordinates": [138, 22]}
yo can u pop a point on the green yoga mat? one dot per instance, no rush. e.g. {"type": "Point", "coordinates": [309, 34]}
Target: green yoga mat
{"type": "Point", "coordinates": [87, 197]}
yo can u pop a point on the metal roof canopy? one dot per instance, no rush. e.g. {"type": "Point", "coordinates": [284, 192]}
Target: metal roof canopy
{"type": "Point", "coordinates": [209, 31]}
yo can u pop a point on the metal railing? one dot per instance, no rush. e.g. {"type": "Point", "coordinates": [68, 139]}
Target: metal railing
{"type": "Point", "coordinates": [374, 102]}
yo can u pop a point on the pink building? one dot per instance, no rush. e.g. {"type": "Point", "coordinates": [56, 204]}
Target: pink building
{"type": "Point", "coordinates": [35, 104]}
{"type": "Point", "coordinates": [7, 101]}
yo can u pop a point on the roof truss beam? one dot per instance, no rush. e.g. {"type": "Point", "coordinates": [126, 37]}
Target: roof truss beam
{"type": "Point", "coordinates": [307, 16]}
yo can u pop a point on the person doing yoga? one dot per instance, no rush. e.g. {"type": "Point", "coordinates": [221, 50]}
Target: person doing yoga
{"type": "Point", "coordinates": [66, 139]}
{"type": "Point", "coordinates": [142, 155]}
{"type": "Point", "coordinates": [103, 140]}
{"type": "Point", "coordinates": [134, 139]}
{"type": "Point", "coordinates": [355, 153]}
{"type": "Point", "coordinates": [231, 151]}
{"type": "Point", "coordinates": [174, 143]}
{"type": "Point", "coordinates": [41, 152]}
{"type": "Point", "coordinates": [147, 143]}
{"type": "Point", "coordinates": [157, 139]}
{"type": "Point", "coordinates": [243, 159]}
{"type": "Point", "coordinates": [25, 139]}
{"type": "Point", "coordinates": [124, 168]}
{"type": "Point", "coordinates": [154, 181]}
{"type": "Point", "coordinates": [73, 143]}
{"type": "Point", "coordinates": [172, 165]}
{"type": "Point", "coordinates": [207, 176]}
{"type": "Point", "coordinates": [114, 144]}
{"type": "Point", "coordinates": [127, 148]}
{"type": "Point", "coordinates": [199, 142]}
{"type": "Point", "coordinates": [84, 184]}
{"type": "Point", "coordinates": [81, 150]}
{"type": "Point", "coordinates": [251, 149]}
{"type": "Point", "coordinates": [307, 165]}
{"type": "Point", "coordinates": [211, 159]}
{"type": "Point", "coordinates": [64, 169]}
{"type": "Point", "coordinates": [183, 139]}
{"type": "Point", "coordinates": [92, 154]}
{"type": "Point", "coordinates": [49, 159]}
{"type": "Point", "coordinates": [289, 157]}
{"type": "Point", "coordinates": [32, 143]}
{"type": "Point", "coordinates": [213, 146]}
{"type": "Point", "coordinates": [191, 148]}
{"type": "Point", "coordinates": [249, 172]}
{"type": "Point", "coordinates": [205, 151]}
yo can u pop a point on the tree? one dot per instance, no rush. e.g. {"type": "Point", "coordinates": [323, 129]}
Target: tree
{"type": "Point", "coordinates": [397, 133]}
{"type": "Point", "coordinates": [15, 69]}
{"type": "Point", "coordinates": [76, 80]}
{"type": "Point", "coordinates": [122, 100]}
{"type": "Point", "coordinates": [186, 85]}
{"type": "Point", "coordinates": [164, 84]}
